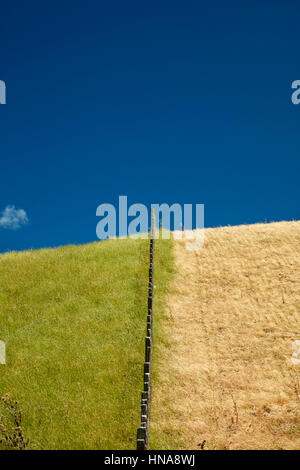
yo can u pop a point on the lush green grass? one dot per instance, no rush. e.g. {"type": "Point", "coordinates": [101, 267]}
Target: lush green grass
{"type": "Point", "coordinates": [74, 320]}
{"type": "Point", "coordinates": [159, 439]}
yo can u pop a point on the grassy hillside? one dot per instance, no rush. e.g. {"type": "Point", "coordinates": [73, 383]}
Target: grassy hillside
{"type": "Point", "coordinates": [226, 375]}
{"type": "Point", "coordinates": [74, 320]}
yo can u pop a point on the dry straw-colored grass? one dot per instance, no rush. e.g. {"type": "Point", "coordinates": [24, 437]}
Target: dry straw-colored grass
{"type": "Point", "coordinates": [234, 312]}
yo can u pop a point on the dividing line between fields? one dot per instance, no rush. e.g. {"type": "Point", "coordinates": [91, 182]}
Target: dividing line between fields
{"type": "Point", "coordinates": [144, 430]}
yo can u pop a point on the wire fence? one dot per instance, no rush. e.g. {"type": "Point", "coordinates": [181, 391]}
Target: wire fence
{"type": "Point", "coordinates": [144, 429]}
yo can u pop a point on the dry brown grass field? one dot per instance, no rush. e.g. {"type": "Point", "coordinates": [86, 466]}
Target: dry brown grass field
{"type": "Point", "coordinates": [226, 375]}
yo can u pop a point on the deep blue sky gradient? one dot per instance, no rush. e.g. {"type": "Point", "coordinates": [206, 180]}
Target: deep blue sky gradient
{"type": "Point", "coordinates": [163, 101]}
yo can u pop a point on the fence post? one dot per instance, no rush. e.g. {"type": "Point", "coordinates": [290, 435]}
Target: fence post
{"type": "Point", "coordinates": [144, 430]}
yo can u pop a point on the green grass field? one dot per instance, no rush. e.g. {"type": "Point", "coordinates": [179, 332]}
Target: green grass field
{"type": "Point", "coordinates": [74, 321]}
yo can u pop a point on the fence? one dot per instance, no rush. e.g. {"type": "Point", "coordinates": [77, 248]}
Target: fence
{"type": "Point", "coordinates": [144, 430]}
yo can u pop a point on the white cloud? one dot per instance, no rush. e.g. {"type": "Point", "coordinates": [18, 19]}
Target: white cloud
{"type": "Point", "coordinates": [12, 218]}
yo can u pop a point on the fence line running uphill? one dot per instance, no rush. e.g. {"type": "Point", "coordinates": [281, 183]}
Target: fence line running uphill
{"type": "Point", "coordinates": [144, 430]}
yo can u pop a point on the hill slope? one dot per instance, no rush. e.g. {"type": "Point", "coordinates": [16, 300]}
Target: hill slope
{"type": "Point", "coordinates": [226, 376]}
{"type": "Point", "coordinates": [74, 321]}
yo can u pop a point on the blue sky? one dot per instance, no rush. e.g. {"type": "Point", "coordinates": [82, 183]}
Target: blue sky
{"type": "Point", "coordinates": [161, 101]}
